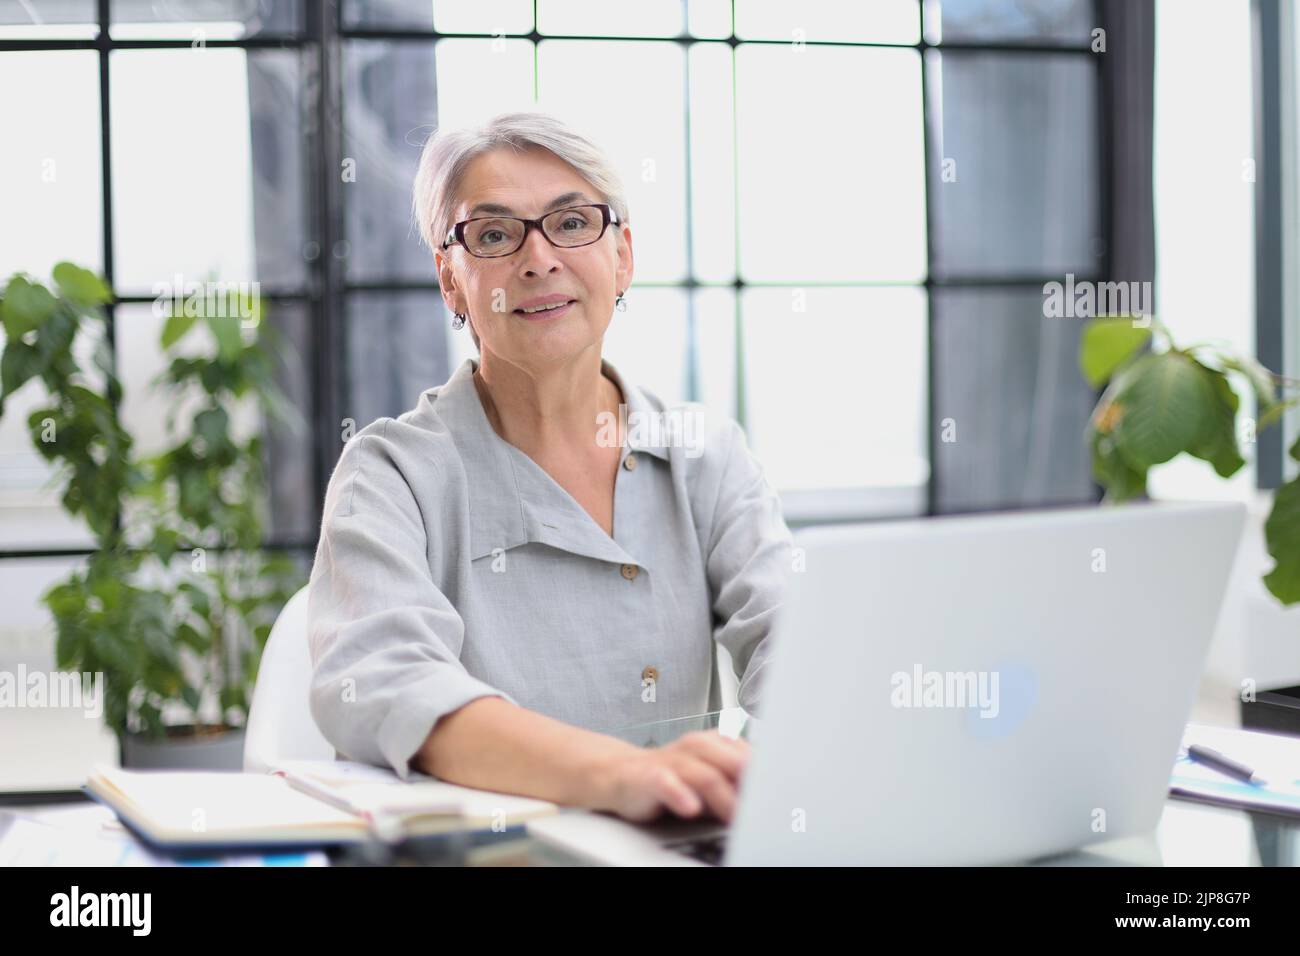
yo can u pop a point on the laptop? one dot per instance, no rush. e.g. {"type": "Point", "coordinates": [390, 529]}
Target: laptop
{"type": "Point", "coordinates": [966, 690]}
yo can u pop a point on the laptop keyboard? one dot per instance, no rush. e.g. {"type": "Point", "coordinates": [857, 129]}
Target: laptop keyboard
{"type": "Point", "coordinates": [705, 849]}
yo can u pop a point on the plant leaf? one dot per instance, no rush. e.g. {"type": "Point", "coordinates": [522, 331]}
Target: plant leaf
{"type": "Point", "coordinates": [175, 328]}
{"type": "Point", "coordinates": [1113, 473]}
{"type": "Point", "coordinates": [1282, 535]}
{"type": "Point", "coordinates": [212, 425]}
{"type": "Point", "coordinates": [25, 307]}
{"type": "Point", "coordinates": [19, 363]}
{"type": "Point", "coordinates": [1260, 378]}
{"type": "Point", "coordinates": [191, 698]}
{"type": "Point", "coordinates": [81, 286]}
{"type": "Point", "coordinates": [229, 336]}
{"type": "Point", "coordinates": [1164, 401]}
{"type": "Point", "coordinates": [1106, 344]}
{"type": "Point", "coordinates": [1218, 441]}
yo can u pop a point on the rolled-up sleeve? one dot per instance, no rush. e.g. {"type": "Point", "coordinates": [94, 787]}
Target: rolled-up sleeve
{"type": "Point", "coordinates": [749, 559]}
{"type": "Point", "coordinates": [385, 640]}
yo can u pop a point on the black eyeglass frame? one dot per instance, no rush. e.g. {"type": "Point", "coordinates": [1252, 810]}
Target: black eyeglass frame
{"type": "Point", "coordinates": [456, 235]}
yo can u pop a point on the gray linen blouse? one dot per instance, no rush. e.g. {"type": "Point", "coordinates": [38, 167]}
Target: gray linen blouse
{"type": "Point", "coordinates": [451, 566]}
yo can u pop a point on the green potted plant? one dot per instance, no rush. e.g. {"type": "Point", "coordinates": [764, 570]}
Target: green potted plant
{"type": "Point", "coordinates": [175, 603]}
{"type": "Point", "coordinates": [1161, 400]}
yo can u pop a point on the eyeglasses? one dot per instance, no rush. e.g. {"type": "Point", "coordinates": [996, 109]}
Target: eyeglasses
{"type": "Point", "coordinates": [494, 236]}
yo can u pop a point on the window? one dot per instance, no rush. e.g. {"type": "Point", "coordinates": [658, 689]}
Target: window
{"type": "Point", "coordinates": [1204, 206]}
{"type": "Point", "coordinates": [805, 262]}
{"type": "Point", "coordinates": [158, 140]}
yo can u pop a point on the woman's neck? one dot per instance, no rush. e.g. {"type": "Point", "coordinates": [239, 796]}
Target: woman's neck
{"type": "Point", "coordinates": [558, 407]}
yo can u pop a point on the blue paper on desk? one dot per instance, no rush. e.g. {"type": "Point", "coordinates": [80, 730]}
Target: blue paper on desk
{"type": "Point", "coordinates": [1273, 757]}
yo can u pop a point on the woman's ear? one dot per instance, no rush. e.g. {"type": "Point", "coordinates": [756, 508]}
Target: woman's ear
{"type": "Point", "coordinates": [623, 271]}
{"type": "Point", "coordinates": [446, 280]}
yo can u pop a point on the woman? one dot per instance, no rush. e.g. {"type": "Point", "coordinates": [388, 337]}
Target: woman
{"type": "Point", "coordinates": [501, 574]}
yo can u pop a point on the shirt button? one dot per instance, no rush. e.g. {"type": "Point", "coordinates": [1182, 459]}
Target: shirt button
{"type": "Point", "coordinates": [629, 571]}
{"type": "Point", "coordinates": [630, 462]}
{"type": "Point", "coordinates": [650, 673]}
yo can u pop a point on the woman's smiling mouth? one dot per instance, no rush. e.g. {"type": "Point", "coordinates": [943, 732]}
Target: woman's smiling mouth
{"type": "Point", "coordinates": [546, 311]}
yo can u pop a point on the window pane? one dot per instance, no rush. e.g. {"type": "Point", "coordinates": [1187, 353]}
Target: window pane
{"type": "Point", "coordinates": [50, 175]}
{"type": "Point", "coordinates": [483, 16]}
{"type": "Point", "coordinates": [60, 20]}
{"type": "Point", "coordinates": [478, 79]}
{"type": "Point", "coordinates": [195, 216]}
{"type": "Point", "coordinates": [645, 18]}
{"type": "Point", "coordinates": [647, 343]}
{"type": "Point", "coordinates": [1009, 381]}
{"type": "Point", "coordinates": [446, 16]}
{"type": "Point", "coordinates": [1204, 133]}
{"type": "Point", "coordinates": [881, 21]}
{"type": "Point", "coordinates": [715, 349]}
{"type": "Point", "coordinates": [281, 226]}
{"type": "Point", "coordinates": [390, 101]}
{"type": "Point", "coordinates": [396, 350]}
{"type": "Point", "coordinates": [290, 454]}
{"type": "Point", "coordinates": [198, 20]}
{"type": "Point", "coordinates": [822, 198]}
{"type": "Point", "coordinates": [835, 385]}
{"type": "Point", "coordinates": [31, 515]}
{"type": "Point", "coordinates": [713, 169]}
{"type": "Point", "coordinates": [145, 409]}
{"type": "Point", "coordinates": [709, 18]}
{"type": "Point", "coordinates": [650, 153]}
{"type": "Point", "coordinates": [999, 20]}
{"type": "Point", "coordinates": [1015, 165]}
{"type": "Point", "coordinates": [42, 748]}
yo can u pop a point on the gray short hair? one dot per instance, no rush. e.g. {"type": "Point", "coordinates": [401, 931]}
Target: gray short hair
{"type": "Point", "coordinates": [448, 153]}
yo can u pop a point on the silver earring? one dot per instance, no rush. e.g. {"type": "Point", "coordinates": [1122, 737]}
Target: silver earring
{"type": "Point", "coordinates": [458, 322]}
{"type": "Point", "coordinates": [620, 303]}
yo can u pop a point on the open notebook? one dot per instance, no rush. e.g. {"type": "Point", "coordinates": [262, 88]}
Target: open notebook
{"type": "Point", "coordinates": [309, 802]}
{"type": "Point", "coordinates": [1275, 757]}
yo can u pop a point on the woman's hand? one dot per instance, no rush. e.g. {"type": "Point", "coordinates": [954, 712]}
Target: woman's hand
{"type": "Point", "coordinates": [697, 773]}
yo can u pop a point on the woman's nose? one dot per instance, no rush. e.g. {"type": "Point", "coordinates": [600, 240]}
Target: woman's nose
{"type": "Point", "coordinates": [537, 254]}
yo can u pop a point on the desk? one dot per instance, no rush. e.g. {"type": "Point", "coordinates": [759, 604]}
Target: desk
{"type": "Point", "coordinates": [1188, 833]}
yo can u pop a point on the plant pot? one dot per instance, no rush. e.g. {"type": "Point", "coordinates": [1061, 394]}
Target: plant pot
{"type": "Point", "coordinates": [184, 750]}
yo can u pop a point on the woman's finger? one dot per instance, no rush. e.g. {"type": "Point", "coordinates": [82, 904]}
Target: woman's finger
{"type": "Point", "coordinates": [674, 793]}
{"type": "Point", "coordinates": [718, 792]}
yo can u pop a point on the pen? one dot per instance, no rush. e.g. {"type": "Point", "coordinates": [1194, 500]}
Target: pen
{"type": "Point", "coordinates": [388, 828]}
{"type": "Point", "coordinates": [1225, 765]}
{"type": "Point", "coordinates": [324, 794]}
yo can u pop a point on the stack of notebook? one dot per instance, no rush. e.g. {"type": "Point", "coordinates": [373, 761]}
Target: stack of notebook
{"type": "Point", "coordinates": [300, 803]}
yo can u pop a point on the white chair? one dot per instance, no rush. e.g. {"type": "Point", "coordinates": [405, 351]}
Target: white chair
{"type": "Point", "coordinates": [280, 725]}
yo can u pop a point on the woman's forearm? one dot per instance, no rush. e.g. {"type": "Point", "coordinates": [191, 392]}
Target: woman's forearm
{"type": "Point", "coordinates": [493, 744]}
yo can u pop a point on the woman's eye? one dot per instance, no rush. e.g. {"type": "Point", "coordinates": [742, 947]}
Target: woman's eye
{"type": "Point", "coordinates": [488, 234]}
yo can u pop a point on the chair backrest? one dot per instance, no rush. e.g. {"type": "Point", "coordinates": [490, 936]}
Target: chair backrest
{"type": "Point", "coordinates": [280, 725]}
